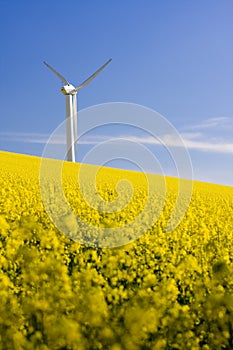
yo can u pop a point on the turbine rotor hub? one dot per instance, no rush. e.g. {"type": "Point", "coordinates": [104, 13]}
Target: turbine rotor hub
{"type": "Point", "coordinates": [67, 90]}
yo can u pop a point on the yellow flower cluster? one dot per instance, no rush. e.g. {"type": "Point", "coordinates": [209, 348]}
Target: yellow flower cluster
{"type": "Point", "coordinates": [162, 291]}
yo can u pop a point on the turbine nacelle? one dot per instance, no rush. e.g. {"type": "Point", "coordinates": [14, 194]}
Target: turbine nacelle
{"type": "Point", "coordinates": [68, 90]}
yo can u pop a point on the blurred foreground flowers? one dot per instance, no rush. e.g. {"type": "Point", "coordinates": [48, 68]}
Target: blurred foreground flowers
{"type": "Point", "coordinates": [163, 291]}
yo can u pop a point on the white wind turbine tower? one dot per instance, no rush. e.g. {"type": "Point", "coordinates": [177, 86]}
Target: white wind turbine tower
{"type": "Point", "coordinates": [71, 108]}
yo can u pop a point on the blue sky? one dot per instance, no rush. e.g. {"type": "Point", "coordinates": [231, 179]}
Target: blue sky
{"type": "Point", "coordinates": [175, 57]}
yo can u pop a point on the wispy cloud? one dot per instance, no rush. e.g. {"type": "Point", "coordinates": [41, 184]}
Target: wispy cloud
{"type": "Point", "coordinates": [210, 123]}
{"type": "Point", "coordinates": [31, 137]}
{"type": "Point", "coordinates": [195, 137]}
{"type": "Point", "coordinates": [211, 135]}
{"type": "Point", "coordinates": [209, 146]}
{"type": "Point", "coordinates": [188, 141]}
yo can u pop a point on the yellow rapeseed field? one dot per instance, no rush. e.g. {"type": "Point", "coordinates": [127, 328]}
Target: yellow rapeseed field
{"type": "Point", "coordinates": [164, 290]}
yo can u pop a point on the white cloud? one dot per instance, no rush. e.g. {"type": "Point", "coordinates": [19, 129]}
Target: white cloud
{"type": "Point", "coordinates": [209, 146]}
{"type": "Point", "coordinates": [210, 123]}
{"type": "Point", "coordinates": [194, 144]}
{"type": "Point", "coordinates": [194, 140]}
{"type": "Point", "coordinates": [30, 137]}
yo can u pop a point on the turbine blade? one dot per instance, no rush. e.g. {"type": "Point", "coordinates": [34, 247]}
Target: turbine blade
{"type": "Point", "coordinates": [57, 74]}
{"type": "Point", "coordinates": [87, 81]}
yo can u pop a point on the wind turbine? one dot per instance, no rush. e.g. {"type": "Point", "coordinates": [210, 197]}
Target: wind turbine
{"type": "Point", "coordinates": [71, 108]}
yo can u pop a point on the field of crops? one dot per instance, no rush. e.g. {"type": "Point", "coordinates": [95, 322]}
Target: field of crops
{"type": "Point", "coordinates": [162, 291]}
